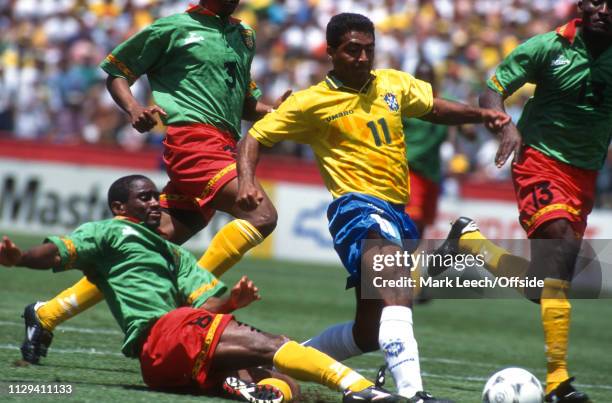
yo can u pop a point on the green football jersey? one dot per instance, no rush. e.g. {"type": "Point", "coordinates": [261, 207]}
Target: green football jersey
{"type": "Point", "coordinates": [141, 275]}
{"type": "Point", "coordinates": [198, 66]}
{"type": "Point", "coordinates": [569, 118]}
{"type": "Point", "coordinates": [423, 140]}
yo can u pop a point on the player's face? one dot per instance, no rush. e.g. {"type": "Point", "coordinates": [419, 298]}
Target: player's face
{"type": "Point", "coordinates": [353, 58]}
{"type": "Point", "coordinates": [223, 8]}
{"type": "Point", "coordinates": [597, 16]}
{"type": "Point", "coordinates": [143, 203]}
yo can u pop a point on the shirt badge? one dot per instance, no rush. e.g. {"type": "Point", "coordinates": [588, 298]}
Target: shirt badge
{"type": "Point", "coordinates": [560, 61]}
{"type": "Point", "coordinates": [192, 38]}
{"type": "Point", "coordinates": [248, 38]}
{"type": "Point", "coordinates": [391, 101]}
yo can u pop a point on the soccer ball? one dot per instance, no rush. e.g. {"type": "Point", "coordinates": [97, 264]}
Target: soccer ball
{"type": "Point", "coordinates": [513, 385]}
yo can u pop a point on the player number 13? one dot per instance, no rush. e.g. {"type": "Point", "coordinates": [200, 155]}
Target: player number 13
{"type": "Point", "coordinates": [372, 125]}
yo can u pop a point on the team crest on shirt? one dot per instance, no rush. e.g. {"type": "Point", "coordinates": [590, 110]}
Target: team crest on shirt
{"type": "Point", "coordinates": [248, 38]}
{"type": "Point", "coordinates": [391, 101]}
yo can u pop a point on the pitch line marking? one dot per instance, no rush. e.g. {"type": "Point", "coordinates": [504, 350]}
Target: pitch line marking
{"type": "Point", "coordinates": [91, 351]}
{"type": "Point", "coordinates": [62, 328]}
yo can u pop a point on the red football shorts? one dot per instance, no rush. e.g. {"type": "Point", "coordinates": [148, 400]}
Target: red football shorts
{"type": "Point", "coordinates": [179, 348]}
{"type": "Point", "coordinates": [547, 189]}
{"type": "Point", "coordinates": [200, 159]}
{"type": "Point", "coordinates": [423, 204]}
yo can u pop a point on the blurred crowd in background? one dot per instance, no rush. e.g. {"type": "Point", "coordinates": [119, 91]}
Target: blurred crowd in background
{"type": "Point", "coordinates": [51, 88]}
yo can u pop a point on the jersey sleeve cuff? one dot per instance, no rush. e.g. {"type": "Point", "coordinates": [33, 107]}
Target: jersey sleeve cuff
{"type": "Point", "coordinates": [260, 137]}
{"type": "Point", "coordinates": [494, 84]}
{"type": "Point", "coordinates": [218, 290]}
{"type": "Point", "coordinates": [116, 68]}
{"type": "Point", "coordinates": [67, 252]}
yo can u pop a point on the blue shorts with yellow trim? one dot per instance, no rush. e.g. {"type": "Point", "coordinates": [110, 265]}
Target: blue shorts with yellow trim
{"type": "Point", "coordinates": [353, 215]}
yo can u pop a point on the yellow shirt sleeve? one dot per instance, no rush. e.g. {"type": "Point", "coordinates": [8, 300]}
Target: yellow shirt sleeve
{"type": "Point", "coordinates": [417, 96]}
{"type": "Point", "coordinates": [288, 122]}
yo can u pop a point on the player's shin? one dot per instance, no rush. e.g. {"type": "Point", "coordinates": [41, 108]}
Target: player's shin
{"type": "Point", "coordinates": [396, 339]}
{"type": "Point", "coordinates": [229, 245]}
{"type": "Point", "coordinates": [309, 364]}
{"type": "Point", "coordinates": [68, 303]}
{"type": "Point", "coordinates": [337, 341]}
{"type": "Point", "coordinates": [556, 310]}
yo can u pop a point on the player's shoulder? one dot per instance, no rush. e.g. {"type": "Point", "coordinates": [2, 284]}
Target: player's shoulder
{"type": "Point", "coordinates": [391, 79]}
{"type": "Point", "coordinates": [391, 74]}
{"type": "Point", "coordinates": [243, 25]}
{"type": "Point", "coordinates": [171, 20]}
{"type": "Point", "coordinates": [545, 42]}
{"type": "Point", "coordinates": [311, 96]}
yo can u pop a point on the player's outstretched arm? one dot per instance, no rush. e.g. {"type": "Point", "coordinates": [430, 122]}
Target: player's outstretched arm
{"type": "Point", "coordinates": [242, 294]}
{"type": "Point", "coordinates": [249, 196]}
{"type": "Point", "coordinates": [142, 118]}
{"type": "Point", "coordinates": [454, 113]}
{"type": "Point", "coordinates": [42, 257]}
{"type": "Point", "coordinates": [511, 140]}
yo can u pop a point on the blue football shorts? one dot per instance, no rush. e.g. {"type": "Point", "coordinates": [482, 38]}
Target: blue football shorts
{"type": "Point", "coordinates": [352, 216]}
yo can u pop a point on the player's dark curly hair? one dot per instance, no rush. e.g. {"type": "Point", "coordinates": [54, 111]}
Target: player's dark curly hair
{"type": "Point", "coordinates": [120, 189]}
{"type": "Point", "coordinates": [342, 23]}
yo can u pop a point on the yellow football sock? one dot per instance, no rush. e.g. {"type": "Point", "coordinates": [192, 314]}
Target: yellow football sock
{"type": "Point", "coordinates": [311, 365]}
{"type": "Point", "coordinates": [68, 303]}
{"type": "Point", "coordinates": [477, 244]}
{"type": "Point", "coordinates": [229, 245]}
{"type": "Point", "coordinates": [497, 260]}
{"type": "Point", "coordinates": [556, 310]}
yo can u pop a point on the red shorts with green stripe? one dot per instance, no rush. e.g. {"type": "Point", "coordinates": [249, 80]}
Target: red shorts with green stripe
{"type": "Point", "coordinates": [200, 159]}
{"type": "Point", "coordinates": [547, 189]}
{"type": "Point", "coordinates": [178, 350]}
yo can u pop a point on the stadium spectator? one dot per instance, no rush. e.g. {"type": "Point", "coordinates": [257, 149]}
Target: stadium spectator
{"type": "Point", "coordinates": [170, 309]}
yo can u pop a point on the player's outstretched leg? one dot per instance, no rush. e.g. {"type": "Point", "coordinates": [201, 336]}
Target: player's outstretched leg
{"type": "Point", "coordinates": [465, 237]}
{"type": "Point", "coordinates": [243, 346]}
{"type": "Point", "coordinates": [42, 318]}
{"type": "Point", "coordinates": [393, 310]}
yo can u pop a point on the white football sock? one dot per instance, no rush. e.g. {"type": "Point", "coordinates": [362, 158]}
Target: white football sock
{"type": "Point", "coordinates": [396, 340]}
{"type": "Point", "coordinates": [336, 341]}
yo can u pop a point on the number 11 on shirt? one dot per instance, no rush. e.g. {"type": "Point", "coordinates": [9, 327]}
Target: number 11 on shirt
{"type": "Point", "coordinates": [375, 133]}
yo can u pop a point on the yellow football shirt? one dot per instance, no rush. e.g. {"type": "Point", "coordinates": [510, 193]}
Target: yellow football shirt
{"type": "Point", "coordinates": [357, 136]}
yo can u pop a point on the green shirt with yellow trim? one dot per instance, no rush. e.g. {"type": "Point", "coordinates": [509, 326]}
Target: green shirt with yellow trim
{"type": "Point", "coordinates": [569, 118]}
{"type": "Point", "coordinates": [141, 275]}
{"type": "Point", "coordinates": [198, 65]}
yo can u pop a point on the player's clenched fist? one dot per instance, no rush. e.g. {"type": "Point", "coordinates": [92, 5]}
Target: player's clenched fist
{"type": "Point", "coordinates": [143, 119]}
{"type": "Point", "coordinates": [249, 196]}
{"type": "Point", "coordinates": [10, 254]}
{"type": "Point", "coordinates": [495, 120]}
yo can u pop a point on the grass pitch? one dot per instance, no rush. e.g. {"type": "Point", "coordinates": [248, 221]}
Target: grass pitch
{"type": "Point", "coordinates": [461, 342]}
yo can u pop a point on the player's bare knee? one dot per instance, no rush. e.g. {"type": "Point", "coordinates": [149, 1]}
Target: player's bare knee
{"type": "Point", "coordinates": [264, 218]}
{"type": "Point", "coordinates": [557, 229]}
